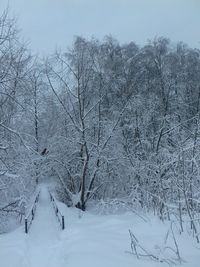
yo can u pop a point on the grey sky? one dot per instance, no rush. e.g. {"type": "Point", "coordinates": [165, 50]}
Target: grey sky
{"type": "Point", "coordinates": [50, 23]}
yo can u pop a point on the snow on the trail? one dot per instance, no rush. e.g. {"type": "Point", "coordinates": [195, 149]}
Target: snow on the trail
{"type": "Point", "coordinates": [42, 242]}
{"type": "Point", "coordinates": [41, 246]}
{"type": "Point", "coordinates": [89, 240]}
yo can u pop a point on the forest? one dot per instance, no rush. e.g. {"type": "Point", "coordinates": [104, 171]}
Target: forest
{"type": "Point", "coordinates": [113, 126]}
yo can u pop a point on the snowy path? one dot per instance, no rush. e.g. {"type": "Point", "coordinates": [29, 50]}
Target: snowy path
{"type": "Point", "coordinates": [89, 240]}
{"type": "Point", "coordinates": [42, 242]}
{"type": "Point", "coordinates": [41, 247]}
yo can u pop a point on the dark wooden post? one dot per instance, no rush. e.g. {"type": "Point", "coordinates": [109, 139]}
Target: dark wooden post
{"type": "Point", "coordinates": [32, 212]}
{"type": "Point", "coordinates": [63, 223]}
{"type": "Point", "coordinates": [26, 226]}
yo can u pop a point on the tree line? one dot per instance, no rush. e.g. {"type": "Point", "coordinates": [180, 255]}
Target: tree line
{"type": "Point", "coordinates": [107, 121]}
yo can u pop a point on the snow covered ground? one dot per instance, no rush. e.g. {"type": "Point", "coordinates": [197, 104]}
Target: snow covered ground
{"type": "Point", "coordinates": [89, 240]}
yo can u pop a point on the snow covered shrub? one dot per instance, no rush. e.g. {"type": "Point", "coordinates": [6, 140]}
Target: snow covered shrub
{"type": "Point", "coordinates": [15, 193]}
{"type": "Point", "coordinates": [167, 252]}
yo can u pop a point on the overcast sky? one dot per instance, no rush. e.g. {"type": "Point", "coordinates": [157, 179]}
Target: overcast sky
{"type": "Point", "coordinates": [50, 23]}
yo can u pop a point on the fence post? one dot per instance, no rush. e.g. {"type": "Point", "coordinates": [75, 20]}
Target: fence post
{"type": "Point", "coordinates": [32, 212]}
{"type": "Point", "coordinates": [26, 226]}
{"type": "Point", "coordinates": [63, 222]}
